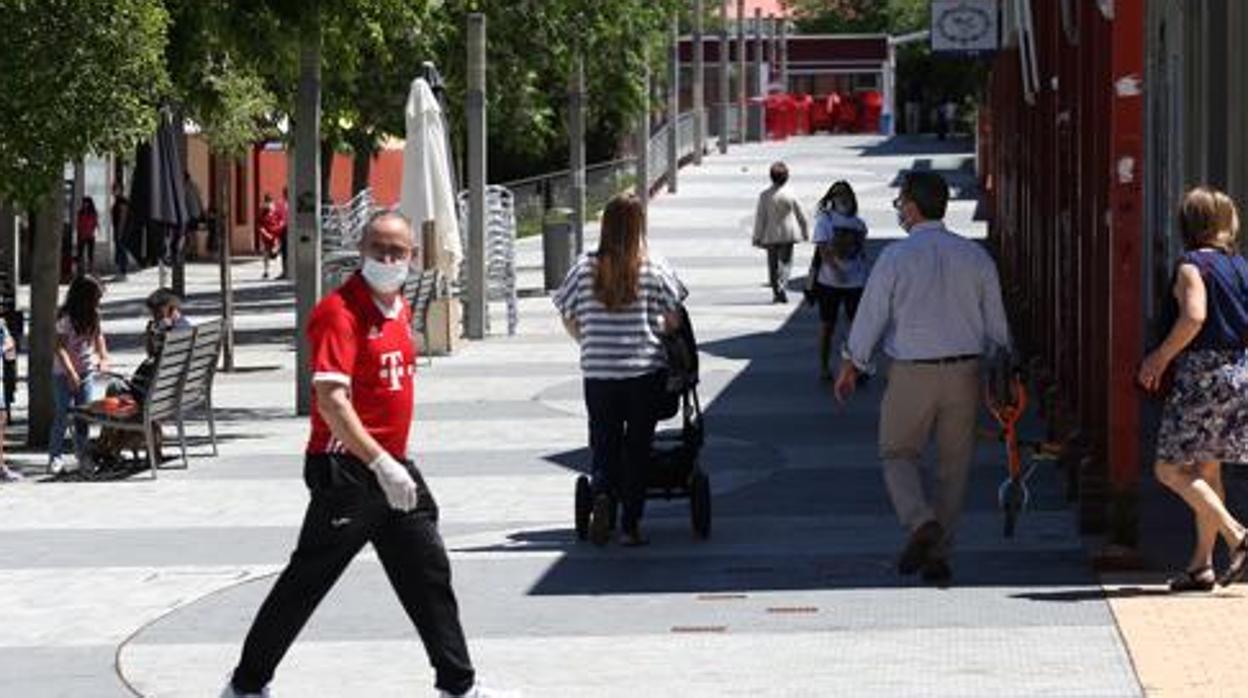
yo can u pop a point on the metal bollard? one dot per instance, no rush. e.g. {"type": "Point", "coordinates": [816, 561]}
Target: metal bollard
{"type": "Point", "coordinates": [558, 246]}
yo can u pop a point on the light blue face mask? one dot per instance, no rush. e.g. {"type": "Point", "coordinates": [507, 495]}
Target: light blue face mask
{"type": "Point", "coordinates": [383, 277]}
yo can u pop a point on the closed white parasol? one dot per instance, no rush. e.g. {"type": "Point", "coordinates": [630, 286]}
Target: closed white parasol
{"type": "Point", "coordinates": [428, 193]}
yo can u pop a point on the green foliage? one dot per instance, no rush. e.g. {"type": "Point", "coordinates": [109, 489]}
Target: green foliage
{"type": "Point", "coordinates": [531, 49]}
{"type": "Point", "coordinates": [76, 77]}
{"type": "Point", "coordinates": [216, 72]}
{"type": "Point", "coordinates": [860, 16]}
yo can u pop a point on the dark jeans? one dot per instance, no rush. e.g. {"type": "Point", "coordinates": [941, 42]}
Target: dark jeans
{"type": "Point", "coordinates": [622, 417]}
{"type": "Point", "coordinates": [121, 258]}
{"type": "Point", "coordinates": [779, 266]}
{"type": "Point", "coordinates": [86, 257]}
{"type": "Point", "coordinates": [347, 510]}
{"type": "Point", "coordinates": [830, 299]}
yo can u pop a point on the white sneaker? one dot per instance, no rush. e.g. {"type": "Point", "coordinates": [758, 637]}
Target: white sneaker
{"type": "Point", "coordinates": [480, 691]}
{"type": "Point", "coordinates": [56, 466]}
{"type": "Point", "coordinates": [7, 474]}
{"type": "Point", "coordinates": [229, 692]}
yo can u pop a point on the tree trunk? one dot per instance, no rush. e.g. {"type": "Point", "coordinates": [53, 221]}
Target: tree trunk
{"type": "Point", "coordinates": [44, 288]}
{"type": "Point", "coordinates": [327, 170]}
{"type": "Point", "coordinates": [361, 170]}
{"type": "Point", "coordinates": [178, 240]}
{"type": "Point", "coordinates": [221, 182]}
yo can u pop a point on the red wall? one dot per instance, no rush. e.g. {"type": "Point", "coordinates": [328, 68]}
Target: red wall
{"type": "Point", "coordinates": [385, 178]}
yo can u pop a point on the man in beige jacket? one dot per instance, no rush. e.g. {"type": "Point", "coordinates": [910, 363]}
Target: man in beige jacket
{"type": "Point", "coordinates": [778, 223]}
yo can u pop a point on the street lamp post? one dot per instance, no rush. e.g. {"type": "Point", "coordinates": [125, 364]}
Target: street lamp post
{"type": "Point", "coordinates": [699, 86]}
{"type": "Point", "coordinates": [307, 200]}
{"type": "Point", "coordinates": [673, 104]}
{"type": "Point", "coordinates": [477, 169]}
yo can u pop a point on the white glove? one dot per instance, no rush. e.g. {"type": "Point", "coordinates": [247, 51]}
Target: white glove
{"type": "Point", "coordinates": [396, 482]}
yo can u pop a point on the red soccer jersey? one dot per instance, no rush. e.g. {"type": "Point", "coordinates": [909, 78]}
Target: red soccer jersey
{"type": "Point", "coordinates": [355, 344]}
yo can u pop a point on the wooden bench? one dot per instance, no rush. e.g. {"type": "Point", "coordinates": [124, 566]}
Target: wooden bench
{"type": "Point", "coordinates": [419, 291]}
{"type": "Point", "coordinates": [201, 369]}
{"type": "Point", "coordinates": [162, 401]}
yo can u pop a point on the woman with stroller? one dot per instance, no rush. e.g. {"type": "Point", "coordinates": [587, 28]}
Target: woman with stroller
{"type": "Point", "coordinates": [1204, 422]}
{"type": "Point", "coordinates": [81, 355]}
{"type": "Point", "coordinates": [838, 269]}
{"type": "Point", "coordinates": [617, 303]}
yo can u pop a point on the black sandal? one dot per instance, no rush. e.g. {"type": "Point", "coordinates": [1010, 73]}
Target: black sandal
{"type": "Point", "coordinates": [1199, 579]}
{"type": "Point", "coordinates": [1239, 564]}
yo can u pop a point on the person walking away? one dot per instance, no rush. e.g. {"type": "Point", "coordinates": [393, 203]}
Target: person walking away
{"type": "Point", "coordinates": [617, 302]}
{"type": "Point", "coordinates": [282, 207]}
{"type": "Point", "coordinates": [935, 302]}
{"type": "Point", "coordinates": [9, 347]}
{"type": "Point", "coordinates": [1205, 418]}
{"type": "Point", "coordinates": [88, 222]}
{"type": "Point", "coordinates": [778, 224]}
{"type": "Point", "coordinates": [195, 218]}
{"type": "Point", "coordinates": [364, 489]}
{"type": "Point", "coordinates": [270, 226]}
{"type": "Point", "coordinates": [81, 354]}
{"type": "Point", "coordinates": [838, 268]}
{"type": "Point", "coordinates": [119, 216]}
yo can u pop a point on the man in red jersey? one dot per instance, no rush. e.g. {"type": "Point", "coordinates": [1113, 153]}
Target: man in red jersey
{"type": "Point", "coordinates": [363, 490]}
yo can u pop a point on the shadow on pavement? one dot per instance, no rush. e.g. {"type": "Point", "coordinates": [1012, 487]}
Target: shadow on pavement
{"type": "Point", "coordinates": [808, 509]}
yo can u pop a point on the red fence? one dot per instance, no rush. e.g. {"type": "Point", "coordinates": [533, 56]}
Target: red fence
{"type": "Point", "coordinates": [1064, 175]}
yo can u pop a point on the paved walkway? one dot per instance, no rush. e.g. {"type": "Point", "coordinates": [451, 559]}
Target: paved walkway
{"type": "Point", "coordinates": [152, 585]}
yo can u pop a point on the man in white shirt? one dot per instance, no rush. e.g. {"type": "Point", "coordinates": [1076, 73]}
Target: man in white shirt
{"type": "Point", "coordinates": [935, 302]}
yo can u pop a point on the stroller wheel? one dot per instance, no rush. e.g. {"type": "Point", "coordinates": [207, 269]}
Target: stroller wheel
{"type": "Point", "coordinates": [584, 504]}
{"type": "Point", "coordinates": [700, 503]}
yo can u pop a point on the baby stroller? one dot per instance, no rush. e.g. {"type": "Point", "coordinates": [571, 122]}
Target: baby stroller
{"type": "Point", "coordinates": [673, 471]}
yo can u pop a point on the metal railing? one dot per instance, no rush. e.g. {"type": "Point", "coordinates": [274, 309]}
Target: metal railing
{"type": "Point", "coordinates": [534, 196]}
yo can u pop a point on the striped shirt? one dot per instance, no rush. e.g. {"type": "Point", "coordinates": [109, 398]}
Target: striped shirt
{"type": "Point", "coordinates": [622, 343]}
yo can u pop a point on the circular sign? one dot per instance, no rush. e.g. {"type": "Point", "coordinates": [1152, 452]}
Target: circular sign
{"type": "Point", "coordinates": [964, 25]}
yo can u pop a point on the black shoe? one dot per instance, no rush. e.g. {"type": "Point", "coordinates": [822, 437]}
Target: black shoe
{"type": "Point", "coordinates": [633, 539]}
{"type": "Point", "coordinates": [937, 572]}
{"type": "Point", "coordinates": [919, 547]}
{"type": "Point", "coordinates": [1239, 564]}
{"type": "Point", "coordinates": [1199, 579]}
{"type": "Point", "coordinates": [782, 297]}
{"type": "Point", "coordinates": [600, 520]}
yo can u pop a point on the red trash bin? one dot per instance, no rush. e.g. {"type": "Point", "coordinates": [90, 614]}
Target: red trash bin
{"type": "Point", "coordinates": [869, 113]}
{"type": "Point", "coordinates": [805, 108]}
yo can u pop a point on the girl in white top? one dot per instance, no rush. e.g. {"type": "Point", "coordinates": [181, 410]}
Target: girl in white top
{"type": "Point", "coordinates": [839, 269]}
{"type": "Point", "coordinates": [81, 353]}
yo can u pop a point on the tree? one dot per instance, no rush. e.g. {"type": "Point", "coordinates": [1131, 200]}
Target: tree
{"type": "Point", "coordinates": [532, 44]}
{"type": "Point", "coordinates": [76, 77]}
{"type": "Point", "coordinates": [219, 86]}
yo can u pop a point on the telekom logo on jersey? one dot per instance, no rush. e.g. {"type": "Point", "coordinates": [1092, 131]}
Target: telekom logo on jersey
{"type": "Point", "coordinates": [393, 370]}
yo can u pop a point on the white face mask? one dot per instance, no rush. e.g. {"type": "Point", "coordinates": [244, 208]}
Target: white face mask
{"type": "Point", "coordinates": [385, 278]}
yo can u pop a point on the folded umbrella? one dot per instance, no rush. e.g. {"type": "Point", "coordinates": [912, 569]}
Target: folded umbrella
{"type": "Point", "coordinates": [428, 189]}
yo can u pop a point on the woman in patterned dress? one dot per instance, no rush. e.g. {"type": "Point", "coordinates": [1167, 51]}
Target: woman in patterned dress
{"type": "Point", "coordinates": [1205, 417]}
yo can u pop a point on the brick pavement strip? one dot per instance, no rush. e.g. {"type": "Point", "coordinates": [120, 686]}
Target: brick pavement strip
{"type": "Point", "coordinates": [1185, 644]}
{"type": "Point", "coordinates": [794, 595]}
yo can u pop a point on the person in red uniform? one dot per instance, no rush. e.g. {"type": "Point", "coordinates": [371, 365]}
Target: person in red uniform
{"type": "Point", "coordinates": [88, 222]}
{"type": "Point", "coordinates": [270, 225]}
{"type": "Point", "coordinates": [363, 488]}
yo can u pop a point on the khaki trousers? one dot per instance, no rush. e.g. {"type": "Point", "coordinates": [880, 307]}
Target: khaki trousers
{"type": "Point", "coordinates": [921, 398]}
